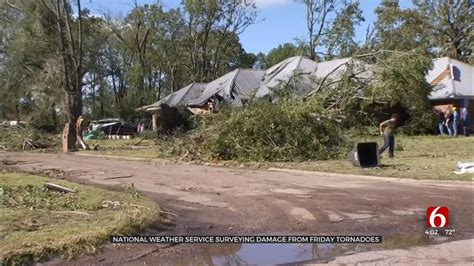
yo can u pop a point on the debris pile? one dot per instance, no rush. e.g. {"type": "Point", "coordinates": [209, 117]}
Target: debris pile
{"type": "Point", "coordinates": [25, 137]}
{"type": "Point", "coordinates": [464, 168]}
{"type": "Point", "coordinates": [37, 197]}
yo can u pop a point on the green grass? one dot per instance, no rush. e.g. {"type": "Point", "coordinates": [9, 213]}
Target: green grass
{"type": "Point", "coordinates": [145, 149]}
{"type": "Point", "coordinates": [417, 157]}
{"type": "Point", "coordinates": [420, 157]}
{"type": "Point", "coordinates": [148, 148]}
{"type": "Point", "coordinates": [36, 224]}
{"type": "Point", "coordinates": [110, 144]}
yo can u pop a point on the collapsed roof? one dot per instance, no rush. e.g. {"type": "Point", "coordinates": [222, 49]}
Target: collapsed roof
{"type": "Point", "coordinates": [285, 73]}
{"type": "Point", "coordinates": [299, 71]}
{"type": "Point", "coordinates": [302, 74]}
{"type": "Point", "coordinates": [231, 88]}
{"type": "Point", "coordinates": [242, 84]}
{"type": "Point", "coordinates": [179, 98]}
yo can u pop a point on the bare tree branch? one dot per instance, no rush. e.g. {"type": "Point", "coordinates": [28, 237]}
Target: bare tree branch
{"type": "Point", "coordinates": [14, 6]}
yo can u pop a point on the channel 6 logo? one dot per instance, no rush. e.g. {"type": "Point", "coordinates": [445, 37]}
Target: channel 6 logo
{"type": "Point", "coordinates": [437, 216]}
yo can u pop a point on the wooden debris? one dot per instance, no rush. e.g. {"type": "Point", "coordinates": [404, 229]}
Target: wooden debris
{"type": "Point", "coordinates": [29, 142]}
{"type": "Point", "coordinates": [184, 156]}
{"type": "Point", "coordinates": [14, 161]}
{"type": "Point", "coordinates": [118, 177]}
{"type": "Point", "coordinates": [142, 139]}
{"type": "Point", "coordinates": [72, 212]}
{"type": "Point", "coordinates": [170, 213]}
{"type": "Point", "coordinates": [140, 206]}
{"type": "Point", "coordinates": [64, 138]}
{"type": "Point", "coordinates": [9, 162]}
{"type": "Point", "coordinates": [111, 204]}
{"type": "Point", "coordinates": [79, 140]}
{"type": "Point", "coordinates": [59, 188]}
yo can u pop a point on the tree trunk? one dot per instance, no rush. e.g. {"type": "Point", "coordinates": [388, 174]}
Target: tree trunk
{"type": "Point", "coordinates": [74, 107]}
{"type": "Point", "coordinates": [54, 116]}
{"type": "Point", "coordinates": [173, 79]}
{"type": "Point", "coordinates": [72, 68]}
{"type": "Point", "coordinates": [153, 122]}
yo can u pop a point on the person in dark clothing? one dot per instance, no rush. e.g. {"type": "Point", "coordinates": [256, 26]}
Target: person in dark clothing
{"type": "Point", "coordinates": [387, 129]}
{"type": "Point", "coordinates": [441, 122]}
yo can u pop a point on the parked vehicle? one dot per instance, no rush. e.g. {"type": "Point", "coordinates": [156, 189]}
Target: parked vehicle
{"type": "Point", "coordinates": [95, 124]}
{"type": "Point", "coordinates": [112, 126]}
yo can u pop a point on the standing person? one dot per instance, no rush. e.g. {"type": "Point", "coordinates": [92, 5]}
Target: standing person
{"type": "Point", "coordinates": [387, 129]}
{"type": "Point", "coordinates": [449, 121]}
{"type": "Point", "coordinates": [455, 121]}
{"type": "Point", "coordinates": [441, 122]}
{"type": "Point", "coordinates": [465, 121]}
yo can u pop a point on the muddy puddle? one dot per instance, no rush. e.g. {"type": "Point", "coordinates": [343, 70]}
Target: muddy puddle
{"type": "Point", "coordinates": [256, 254]}
{"type": "Point", "coordinates": [278, 254]}
{"type": "Point", "coordinates": [242, 254]}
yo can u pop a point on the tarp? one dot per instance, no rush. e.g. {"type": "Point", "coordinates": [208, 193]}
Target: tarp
{"type": "Point", "coordinates": [179, 98]}
{"type": "Point", "coordinates": [333, 68]}
{"type": "Point", "coordinates": [300, 73]}
{"type": "Point", "coordinates": [452, 78]}
{"type": "Point", "coordinates": [285, 71]}
{"type": "Point", "coordinates": [231, 88]}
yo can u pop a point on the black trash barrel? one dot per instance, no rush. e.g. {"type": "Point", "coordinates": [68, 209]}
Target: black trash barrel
{"type": "Point", "coordinates": [365, 154]}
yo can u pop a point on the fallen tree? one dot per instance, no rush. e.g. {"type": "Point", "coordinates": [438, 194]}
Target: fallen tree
{"type": "Point", "coordinates": [291, 130]}
{"type": "Point", "coordinates": [25, 137]}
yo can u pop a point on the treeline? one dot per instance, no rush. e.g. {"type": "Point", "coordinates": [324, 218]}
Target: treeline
{"type": "Point", "coordinates": [437, 28]}
{"type": "Point", "coordinates": [62, 62]}
{"type": "Point", "coordinates": [126, 62]}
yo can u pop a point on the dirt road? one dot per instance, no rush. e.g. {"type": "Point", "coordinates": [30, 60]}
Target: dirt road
{"type": "Point", "coordinates": [214, 200]}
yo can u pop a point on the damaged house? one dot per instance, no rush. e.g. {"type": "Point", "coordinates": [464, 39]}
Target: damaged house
{"type": "Point", "coordinates": [239, 86]}
{"type": "Point", "coordinates": [233, 88]}
{"type": "Point", "coordinates": [168, 107]}
{"type": "Point", "coordinates": [299, 76]}
{"type": "Point", "coordinates": [453, 85]}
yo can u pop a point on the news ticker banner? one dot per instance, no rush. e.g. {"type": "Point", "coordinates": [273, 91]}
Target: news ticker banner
{"type": "Point", "coordinates": [267, 239]}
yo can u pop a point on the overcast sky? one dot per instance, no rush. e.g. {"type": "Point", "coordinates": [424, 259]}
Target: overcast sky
{"type": "Point", "coordinates": [279, 21]}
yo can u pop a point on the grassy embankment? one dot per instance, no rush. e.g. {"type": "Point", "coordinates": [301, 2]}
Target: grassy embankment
{"type": "Point", "coordinates": [418, 157]}
{"type": "Point", "coordinates": [37, 224]}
